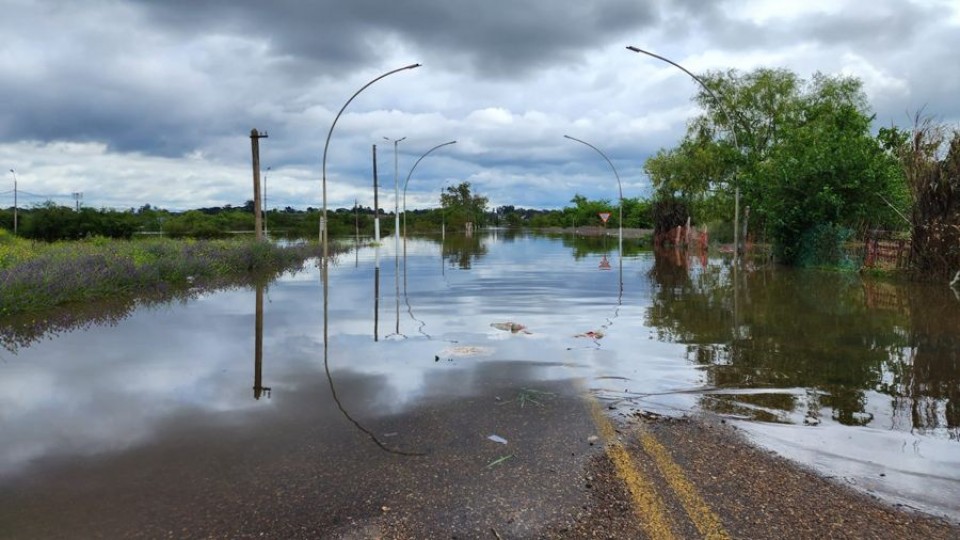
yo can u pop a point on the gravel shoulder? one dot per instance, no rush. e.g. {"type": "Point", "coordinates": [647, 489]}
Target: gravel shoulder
{"type": "Point", "coordinates": [756, 494]}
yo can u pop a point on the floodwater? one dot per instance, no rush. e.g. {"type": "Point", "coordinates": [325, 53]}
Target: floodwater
{"type": "Point", "coordinates": [856, 378]}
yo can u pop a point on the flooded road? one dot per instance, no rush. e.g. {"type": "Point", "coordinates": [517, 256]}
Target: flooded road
{"type": "Point", "coordinates": [461, 364]}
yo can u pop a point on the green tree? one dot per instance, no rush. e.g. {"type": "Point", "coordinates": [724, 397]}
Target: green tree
{"type": "Point", "coordinates": [194, 224]}
{"type": "Point", "coordinates": [586, 212]}
{"type": "Point", "coordinates": [637, 213]}
{"type": "Point", "coordinates": [801, 152]}
{"type": "Point", "coordinates": [50, 221]}
{"type": "Point", "coordinates": [826, 171]}
{"type": "Point", "coordinates": [460, 206]}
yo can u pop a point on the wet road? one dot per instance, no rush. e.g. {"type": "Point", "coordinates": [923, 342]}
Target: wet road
{"type": "Point", "coordinates": [304, 470]}
{"type": "Point", "coordinates": [569, 469]}
{"type": "Point", "coordinates": [490, 395]}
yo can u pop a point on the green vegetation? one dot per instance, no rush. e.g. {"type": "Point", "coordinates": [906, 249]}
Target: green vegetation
{"type": "Point", "coordinates": [812, 174]}
{"type": "Point", "coordinates": [39, 276]}
{"type": "Point", "coordinates": [51, 222]}
{"type": "Point", "coordinates": [460, 206]}
{"type": "Point", "coordinates": [801, 152]}
{"type": "Point", "coordinates": [583, 213]}
{"type": "Point", "coordinates": [930, 157]}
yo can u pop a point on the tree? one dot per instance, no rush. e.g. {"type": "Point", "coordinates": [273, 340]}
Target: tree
{"type": "Point", "coordinates": [586, 212]}
{"type": "Point", "coordinates": [194, 224]}
{"type": "Point", "coordinates": [50, 222]}
{"type": "Point", "coordinates": [460, 206]}
{"type": "Point", "coordinates": [637, 213]}
{"type": "Point", "coordinates": [827, 172]}
{"type": "Point", "coordinates": [800, 151]}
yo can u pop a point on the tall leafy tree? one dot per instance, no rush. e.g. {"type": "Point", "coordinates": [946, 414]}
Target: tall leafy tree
{"type": "Point", "coordinates": [461, 206]}
{"type": "Point", "coordinates": [587, 212]}
{"type": "Point", "coordinates": [801, 151]}
{"type": "Point", "coordinates": [826, 171]}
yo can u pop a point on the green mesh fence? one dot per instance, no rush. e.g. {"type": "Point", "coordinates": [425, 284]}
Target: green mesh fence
{"type": "Point", "coordinates": [826, 246]}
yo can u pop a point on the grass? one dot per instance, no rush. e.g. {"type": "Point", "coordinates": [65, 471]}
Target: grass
{"type": "Point", "coordinates": [52, 288]}
{"type": "Point", "coordinates": [38, 276]}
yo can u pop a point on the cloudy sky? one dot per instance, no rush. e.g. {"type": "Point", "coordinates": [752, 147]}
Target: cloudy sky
{"type": "Point", "coordinates": [133, 102]}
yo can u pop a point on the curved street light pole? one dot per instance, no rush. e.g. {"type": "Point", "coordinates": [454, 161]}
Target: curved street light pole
{"type": "Point", "coordinates": [323, 219]}
{"type": "Point", "coordinates": [407, 181]}
{"type": "Point", "coordinates": [619, 187]}
{"type": "Point", "coordinates": [733, 133]}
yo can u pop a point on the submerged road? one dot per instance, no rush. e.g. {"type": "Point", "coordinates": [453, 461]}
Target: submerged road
{"type": "Point", "coordinates": [560, 466]}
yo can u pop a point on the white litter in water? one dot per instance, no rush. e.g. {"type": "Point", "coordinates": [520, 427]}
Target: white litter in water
{"type": "Point", "coordinates": [465, 350]}
{"type": "Point", "coordinates": [498, 439]}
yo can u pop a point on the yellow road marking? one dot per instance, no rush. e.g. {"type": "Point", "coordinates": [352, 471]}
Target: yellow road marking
{"type": "Point", "coordinates": [647, 504]}
{"type": "Point", "coordinates": [707, 522]}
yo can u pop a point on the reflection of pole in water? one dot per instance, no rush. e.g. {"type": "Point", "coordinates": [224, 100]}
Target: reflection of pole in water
{"type": "Point", "coordinates": [258, 388]}
{"type": "Point", "coordinates": [326, 367]}
{"type": "Point", "coordinates": [396, 280]}
{"type": "Point", "coordinates": [376, 297]}
{"type": "Point", "coordinates": [406, 297]}
{"type": "Point", "coordinates": [599, 334]}
{"type": "Point", "coordinates": [616, 312]}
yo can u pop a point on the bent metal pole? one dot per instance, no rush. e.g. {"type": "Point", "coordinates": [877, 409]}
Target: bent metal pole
{"type": "Point", "coordinates": [407, 181]}
{"type": "Point", "coordinates": [619, 187]}
{"type": "Point", "coordinates": [326, 146]}
{"type": "Point", "coordinates": [733, 133]}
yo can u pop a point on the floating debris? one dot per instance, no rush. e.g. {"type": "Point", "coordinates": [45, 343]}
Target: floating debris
{"type": "Point", "coordinates": [510, 326]}
{"type": "Point", "coordinates": [647, 415]}
{"type": "Point", "coordinates": [527, 395]}
{"type": "Point", "coordinates": [592, 334]}
{"type": "Point", "coordinates": [464, 350]}
{"type": "Point", "coordinates": [497, 439]}
{"type": "Point", "coordinates": [498, 461]}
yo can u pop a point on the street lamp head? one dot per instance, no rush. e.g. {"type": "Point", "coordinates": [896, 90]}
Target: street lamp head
{"type": "Point", "coordinates": [632, 48]}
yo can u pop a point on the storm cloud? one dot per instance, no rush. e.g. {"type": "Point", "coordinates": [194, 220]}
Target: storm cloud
{"type": "Point", "coordinates": [136, 101]}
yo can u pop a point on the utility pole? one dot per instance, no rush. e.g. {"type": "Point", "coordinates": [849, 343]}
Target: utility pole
{"type": "Point", "coordinates": [255, 137]}
{"type": "Point", "coordinates": [77, 196]}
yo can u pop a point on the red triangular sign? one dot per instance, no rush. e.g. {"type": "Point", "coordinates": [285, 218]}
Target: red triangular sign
{"type": "Point", "coordinates": [604, 216]}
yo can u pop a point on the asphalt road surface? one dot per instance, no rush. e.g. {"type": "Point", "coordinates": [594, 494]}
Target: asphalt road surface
{"type": "Point", "coordinates": [560, 466]}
